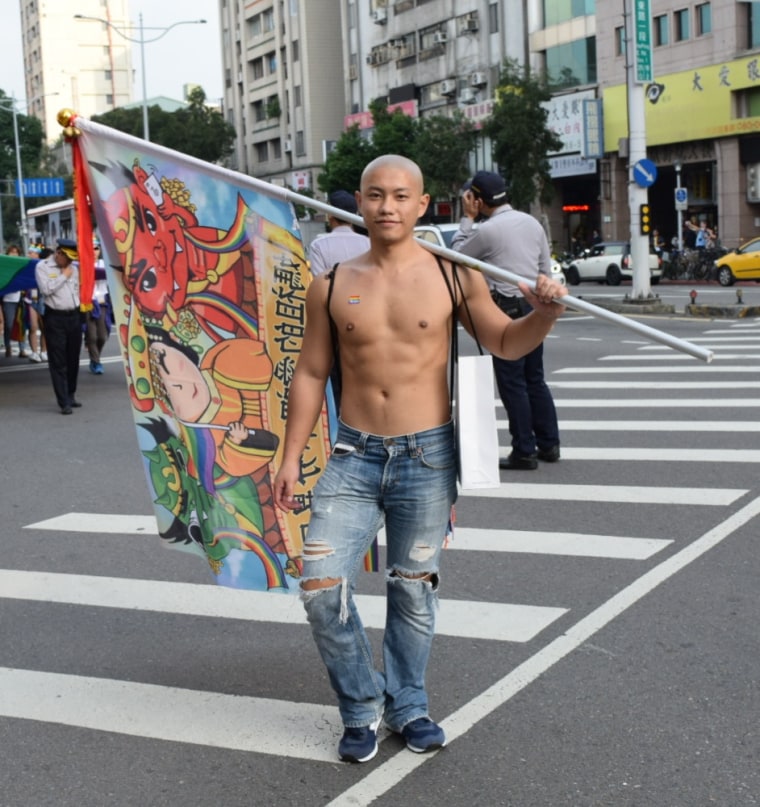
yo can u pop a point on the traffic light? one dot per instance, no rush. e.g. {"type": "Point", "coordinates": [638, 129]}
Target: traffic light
{"type": "Point", "coordinates": [645, 219]}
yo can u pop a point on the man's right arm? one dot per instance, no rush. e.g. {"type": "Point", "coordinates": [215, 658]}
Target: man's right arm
{"type": "Point", "coordinates": [45, 283]}
{"type": "Point", "coordinates": [307, 392]}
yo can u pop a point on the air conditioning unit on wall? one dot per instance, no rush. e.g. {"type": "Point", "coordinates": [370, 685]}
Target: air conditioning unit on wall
{"type": "Point", "coordinates": [440, 38]}
{"type": "Point", "coordinates": [380, 16]}
{"type": "Point", "coordinates": [478, 79]}
{"type": "Point", "coordinates": [448, 86]}
{"type": "Point", "coordinates": [753, 182]}
{"type": "Point", "coordinates": [287, 146]}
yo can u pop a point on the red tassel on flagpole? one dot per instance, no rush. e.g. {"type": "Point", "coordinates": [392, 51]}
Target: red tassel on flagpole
{"type": "Point", "coordinates": [82, 207]}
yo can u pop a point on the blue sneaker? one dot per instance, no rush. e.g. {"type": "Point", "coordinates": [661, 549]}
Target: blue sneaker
{"type": "Point", "coordinates": [359, 743]}
{"type": "Point", "coordinates": [92, 366]}
{"type": "Point", "coordinates": [98, 369]}
{"type": "Point", "coordinates": [423, 735]}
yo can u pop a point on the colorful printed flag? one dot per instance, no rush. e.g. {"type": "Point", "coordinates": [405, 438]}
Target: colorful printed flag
{"type": "Point", "coordinates": [208, 278]}
{"type": "Point", "coordinates": [16, 274]}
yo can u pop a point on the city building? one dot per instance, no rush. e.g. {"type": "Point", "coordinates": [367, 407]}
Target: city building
{"type": "Point", "coordinates": [71, 62]}
{"type": "Point", "coordinates": [283, 86]}
{"type": "Point", "coordinates": [702, 115]}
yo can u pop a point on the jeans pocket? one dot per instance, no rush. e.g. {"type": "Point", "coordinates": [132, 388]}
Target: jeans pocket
{"type": "Point", "coordinates": [438, 456]}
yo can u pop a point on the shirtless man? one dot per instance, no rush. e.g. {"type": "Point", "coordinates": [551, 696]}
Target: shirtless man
{"type": "Point", "coordinates": [394, 459]}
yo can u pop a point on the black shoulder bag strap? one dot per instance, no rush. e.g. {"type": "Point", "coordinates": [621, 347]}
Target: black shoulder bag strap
{"type": "Point", "coordinates": [333, 327]}
{"type": "Point", "coordinates": [454, 353]}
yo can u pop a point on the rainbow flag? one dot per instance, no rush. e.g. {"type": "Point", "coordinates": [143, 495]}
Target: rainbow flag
{"type": "Point", "coordinates": [208, 278]}
{"type": "Point", "coordinates": [16, 274]}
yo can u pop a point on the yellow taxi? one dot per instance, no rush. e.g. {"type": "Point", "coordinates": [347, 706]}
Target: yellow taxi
{"type": "Point", "coordinates": [741, 264]}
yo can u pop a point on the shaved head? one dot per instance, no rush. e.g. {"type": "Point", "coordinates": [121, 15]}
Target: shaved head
{"type": "Point", "coordinates": [397, 163]}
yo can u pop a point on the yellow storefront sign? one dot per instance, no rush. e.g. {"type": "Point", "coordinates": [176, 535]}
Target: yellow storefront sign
{"type": "Point", "coordinates": [691, 105]}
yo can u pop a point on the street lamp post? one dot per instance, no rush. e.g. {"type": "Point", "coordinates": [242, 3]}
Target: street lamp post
{"type": "Point", "coordinates": [678, 166]}
{"type": "Point", "coordinates": [19, 172]}
{"type": "Point", "coordinates": [142, 41]}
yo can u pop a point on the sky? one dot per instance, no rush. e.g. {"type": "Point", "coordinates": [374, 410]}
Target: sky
{"type": "Point", "coordinates": [188, 54]}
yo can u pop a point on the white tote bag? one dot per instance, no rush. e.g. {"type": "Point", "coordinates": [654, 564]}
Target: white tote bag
{"type": "Point", "coordinates": [475, 418]}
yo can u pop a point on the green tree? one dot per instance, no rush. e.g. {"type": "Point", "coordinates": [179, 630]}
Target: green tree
{"type": "Point", "coordinates": [439, 145]}
{"type": "Point", "coordinates": [345, 163]}
{"type": "Point", "coordinates": [520, 137]}
{"type": "Point", "coordinates": [31, 150]}
{"type": "Point", "coordinates": [393, 132]}
{"type": "Point", "coordinates": [442, 147]}
{"type": "Point", "coordinates": [197, 130]}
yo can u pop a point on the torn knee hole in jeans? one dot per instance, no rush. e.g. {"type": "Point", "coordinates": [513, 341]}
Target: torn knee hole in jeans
{"type": "Point", "coordinates": [405, 576]}
{"type": "Point", "coordinates": [313, 587]}
{"type": "Point", "coordinates": [317, 549]}
{"type": "Point", "coordinates": [421, 552]}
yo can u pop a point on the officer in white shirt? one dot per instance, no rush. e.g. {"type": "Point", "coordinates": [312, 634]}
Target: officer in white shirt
{"type": "Point", "coordinates": [58, 281]}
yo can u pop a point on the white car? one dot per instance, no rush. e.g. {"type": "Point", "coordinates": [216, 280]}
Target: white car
{"type": "Point", "coordinates": [610, 263]}
{"type": "Point", "coordinates": [442, 234]}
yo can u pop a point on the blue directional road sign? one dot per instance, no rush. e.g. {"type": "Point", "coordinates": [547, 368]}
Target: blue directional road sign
{"type": "Point", "coordinates": [46, 186]}
{"type": "Point", "coordinates": [644, 173]}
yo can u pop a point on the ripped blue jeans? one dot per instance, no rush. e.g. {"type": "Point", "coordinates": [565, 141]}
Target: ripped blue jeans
{"type": "Point", "coordinates": [408, 484]}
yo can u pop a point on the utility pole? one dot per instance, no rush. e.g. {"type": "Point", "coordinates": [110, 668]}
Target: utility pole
{"type": "Point", "coordinates": [641, 172]}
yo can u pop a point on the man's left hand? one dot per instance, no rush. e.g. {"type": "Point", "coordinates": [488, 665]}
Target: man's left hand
{"type": "Point", "coordinates": [542, 297]}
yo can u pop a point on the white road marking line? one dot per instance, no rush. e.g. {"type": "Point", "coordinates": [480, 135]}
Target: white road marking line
{"type": "Point", "coordinates": [259, 725]}
{"type": "Point", "coordinates": [695, 368]}
{"type": "Point", "coordinates": [627, 494]}
{"type": "Point", "coordinates": [740, 426]}
{"type": "Point", "coordinates": [465, 538]}
{"type": "Point", "coordinates": [682, 357]}
{"type": "Point", "coordinates": [675, 385]}
{"type": "Point", "coordinates": [557, 543]}
{"type": "Point", "coordinates": [388, 775]}
{"type": "Point", "coordinates": [503, 622]}
{"type": "Point", "coordinates": [660, 454]}
{"type": "Point", "coordinates": [659, 403]}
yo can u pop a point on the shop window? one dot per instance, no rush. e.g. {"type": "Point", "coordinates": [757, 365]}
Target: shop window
{"type": "Point", "coordinates": [704, 19]}
{"type": "Point", "coordinates": [681, 25]}
{"type": "Point", "coordinates": [661, 30]}
{"type": "Point", "coordinates": [620, 41]}
{"type": "Point", "coordinates": [753, 24]}
{"type": "Point", "coordinates": [493, 18]}
{"type": "Point", "coordinates": [558, 11]}
{"type": "Point", "coordinates": [572, 63]}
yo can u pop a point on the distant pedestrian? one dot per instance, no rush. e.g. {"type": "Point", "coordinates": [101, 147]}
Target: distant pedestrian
{"type": "Point", "coordinates": [58, 281]}
{"type": "Point", "coordinates": [13, 319]}
{"type": "Point", "coordinates": [513, 240]}
{"type": "Point", "coordinates": [98, 319]}
{"type": "Point", "coordinates": [341, 242]}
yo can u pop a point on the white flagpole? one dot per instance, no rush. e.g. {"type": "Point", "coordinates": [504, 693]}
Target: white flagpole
{"type": "Point", "coordinates": [268, 188]}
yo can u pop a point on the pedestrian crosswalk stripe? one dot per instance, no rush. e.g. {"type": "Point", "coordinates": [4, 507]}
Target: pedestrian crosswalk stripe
{"type": "Point", "coordinates": [701, 369]}
{"type": "Point", "coordinates": [504, 622]}
{"type": "Point", "coordinates": [661, 454]}
{"type": "Point", "coordinates": [465, 538]}
{"type": "Point", "coordinates": [557, 543]}
{"type": "Point", "coordinates": [627, 494]}
{"type": "Point", "coordinates": [658, 403]}
{"type": "Point", "coordinates": [639, 384]}
{"type": "Point", "coordinates": [243, 723]}
{"type": "Point", "coordinates": [683, 357]}
{"type": "Point", "coordinates": [690, 426]}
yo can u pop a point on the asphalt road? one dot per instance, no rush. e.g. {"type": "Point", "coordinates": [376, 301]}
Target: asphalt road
{"type": "Point", "coordinates": [598, 641]}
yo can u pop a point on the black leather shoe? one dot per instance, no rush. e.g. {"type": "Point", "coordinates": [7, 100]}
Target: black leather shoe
{"type": "Point", "coordinates": [514, 462]}
{"type": "Point", "coordinates": [548, 454]}
{"type": "Point", "coordinates": [76, 404]}
{"type": "Point", "coordinates": [66, 410]}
